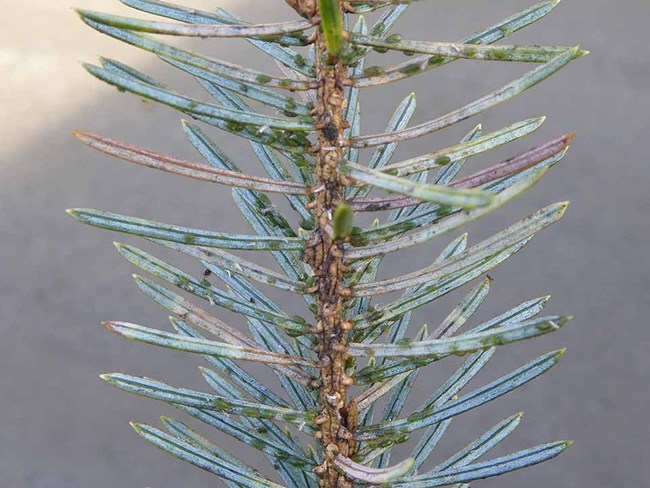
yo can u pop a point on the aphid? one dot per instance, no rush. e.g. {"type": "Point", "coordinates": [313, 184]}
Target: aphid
{"type": "Point", "coordinates": [330, 132]}
{"type": "Point", "coordinates": [329, 129]}
{"type": "Point", "coordinates": [342, 224]}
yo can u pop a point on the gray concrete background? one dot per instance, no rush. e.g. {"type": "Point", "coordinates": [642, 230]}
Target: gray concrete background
{"type": "Point", "coordinates": [63, 427]}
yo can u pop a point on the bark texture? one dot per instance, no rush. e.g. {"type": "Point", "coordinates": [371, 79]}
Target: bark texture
{"type": "Point", "coordinates": [325, 254]}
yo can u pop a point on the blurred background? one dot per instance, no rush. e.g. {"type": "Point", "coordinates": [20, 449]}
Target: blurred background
{"type": "Point", "coordinates": [63, 427]}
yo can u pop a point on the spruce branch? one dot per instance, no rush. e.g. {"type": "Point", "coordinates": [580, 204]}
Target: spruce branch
{"type": "Point", "coordinates": [351, 354]}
